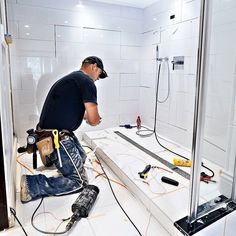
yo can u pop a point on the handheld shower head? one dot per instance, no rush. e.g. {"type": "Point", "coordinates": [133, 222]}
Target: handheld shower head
{"type": "Point", "coordinates": [157, 53]}
{"type": "Point", "coordinates": [160, 59]}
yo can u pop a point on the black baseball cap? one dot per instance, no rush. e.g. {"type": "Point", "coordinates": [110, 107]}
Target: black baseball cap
{"type": "Point", "coordinates": [98, 61]}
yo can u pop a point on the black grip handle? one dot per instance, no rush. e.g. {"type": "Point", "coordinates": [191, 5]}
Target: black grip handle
{"type": "Point", "coordinates": [147, 168]}
{"type": "Point", "coordinates": [169, 181]}
{"type": "Point", "coordinates": [143, 174]}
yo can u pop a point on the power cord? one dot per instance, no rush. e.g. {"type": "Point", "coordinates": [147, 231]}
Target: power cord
{"type": "Point", "coordinates": [94, 151]}
{"type": "Point", "coordinates": [12, 210]}
{"type": "Point", "coordinates": [46, 232]}
{"type": "Point", "coordinates": [58, 227]}
{"type": "Point", "coordinates": [212, 172]}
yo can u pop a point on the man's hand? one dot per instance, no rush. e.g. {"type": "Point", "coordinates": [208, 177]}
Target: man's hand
{"type": "Point", "coordinates": [94, 124]}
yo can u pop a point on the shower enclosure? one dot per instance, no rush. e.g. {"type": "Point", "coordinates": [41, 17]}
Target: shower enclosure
{"type": "Point", "coordinates": [214, 105]}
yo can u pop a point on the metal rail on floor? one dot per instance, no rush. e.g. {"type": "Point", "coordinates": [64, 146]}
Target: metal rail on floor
{"type": "Point", "coordinates": [158, 158]}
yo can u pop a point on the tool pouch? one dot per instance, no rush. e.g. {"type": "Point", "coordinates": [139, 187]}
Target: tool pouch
{"type": "Point", "coordinates": [45, 147]}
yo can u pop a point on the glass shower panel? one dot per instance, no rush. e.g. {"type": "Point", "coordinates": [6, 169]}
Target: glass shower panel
{"type": "Point", "coordinates": [213, 175]}
{"type": "Point", "coordinates": [218, 142]}
{"type": "Point", "coordinates": [7, 197]}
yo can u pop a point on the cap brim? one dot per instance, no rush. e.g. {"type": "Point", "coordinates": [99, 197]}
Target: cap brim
{"type": "Point", "coordinates": [103, 74]}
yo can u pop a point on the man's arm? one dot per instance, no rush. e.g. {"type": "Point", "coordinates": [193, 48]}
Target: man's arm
{"type": "Point", "coordinates": [92, 116]}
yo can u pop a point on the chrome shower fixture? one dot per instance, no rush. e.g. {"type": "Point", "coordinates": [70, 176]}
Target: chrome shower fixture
{"type": "Point", "coordinates": [160, 58]}
{"type": "Point", "coordinates": [157, 53]}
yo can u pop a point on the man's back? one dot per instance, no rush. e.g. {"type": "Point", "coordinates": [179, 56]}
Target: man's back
{"type": "Point", "coordinates": [64, 106]}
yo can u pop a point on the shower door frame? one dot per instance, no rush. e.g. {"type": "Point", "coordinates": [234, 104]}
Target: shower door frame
{"type": "Point", "coordinates": [3, 198]}
{"type": "Point", "coordinates": [200, 216]}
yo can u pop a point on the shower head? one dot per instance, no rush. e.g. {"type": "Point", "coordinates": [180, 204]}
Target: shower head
{"type": "Point", "coordinates": [157, 53]}
{"type": "Point", "coordinates": [160, 58]}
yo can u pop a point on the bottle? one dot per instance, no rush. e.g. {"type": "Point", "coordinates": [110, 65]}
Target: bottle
{"type": "Point", "coordinates": [138, 121]}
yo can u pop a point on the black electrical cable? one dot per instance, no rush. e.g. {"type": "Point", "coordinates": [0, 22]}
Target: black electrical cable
{"type": "Point", "coordinates": [41, 231]}
{"type": "Point", "coordinates": [14, 214]}
{"type": "Point", "coordinates": [63, 220]}
{"type": "Point", "coordinates": [117, 199]}
{"type": "Point", "coordinates": [213, 174]}
{"type": "Point", "coordinates": [155, 118]}
{"type": "Point", "coordinates": [114, 192]}
{"type": "Point", "coordinates": [155, 125]}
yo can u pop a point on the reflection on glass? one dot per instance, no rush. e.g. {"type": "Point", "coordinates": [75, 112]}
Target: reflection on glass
{"type": "Point", "coordinates": [35, 64]}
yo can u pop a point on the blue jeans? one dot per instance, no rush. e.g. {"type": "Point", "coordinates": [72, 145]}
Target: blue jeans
{"type": "Point", "coordinates": [73, 175]}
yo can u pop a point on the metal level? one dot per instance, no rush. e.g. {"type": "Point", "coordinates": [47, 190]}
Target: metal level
{"type": "Point", "coordinates": [158, 158]}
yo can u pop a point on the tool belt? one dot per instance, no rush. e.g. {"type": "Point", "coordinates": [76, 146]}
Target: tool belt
{"type": "Point", "coordinates": [46, 143]}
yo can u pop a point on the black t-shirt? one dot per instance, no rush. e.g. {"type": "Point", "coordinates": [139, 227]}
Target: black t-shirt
{"type": "Point", "coordinates": [64, 106]}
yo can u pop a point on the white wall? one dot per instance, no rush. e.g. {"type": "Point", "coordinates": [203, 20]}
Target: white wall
{"type": "Point", "coordinates": [126, 38]}
{"type": "Point", "coordinates": [60, 28]}
{"type": "Point", "coordinates": [174, 37]}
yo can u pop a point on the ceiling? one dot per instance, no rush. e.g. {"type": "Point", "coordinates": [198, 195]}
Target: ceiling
{"type": "Point", "coordinates": [131, 3]}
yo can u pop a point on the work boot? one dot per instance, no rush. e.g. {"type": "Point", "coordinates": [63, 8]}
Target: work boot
{"type": "Point", "coordinates": [24, 193]}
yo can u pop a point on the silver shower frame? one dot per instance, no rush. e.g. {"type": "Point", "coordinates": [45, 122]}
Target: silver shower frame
{"type": "Point", "coordinates": [199, 116]}
{"type": "Point", "coordinates": [199, 109]}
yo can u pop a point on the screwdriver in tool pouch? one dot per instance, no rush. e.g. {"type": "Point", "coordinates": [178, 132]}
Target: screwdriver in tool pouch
{"type": "Point", "coordinates": [57, 145]}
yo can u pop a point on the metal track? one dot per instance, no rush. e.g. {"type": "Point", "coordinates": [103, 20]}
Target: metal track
{"type": "Point", "coordinates": [163, 161]}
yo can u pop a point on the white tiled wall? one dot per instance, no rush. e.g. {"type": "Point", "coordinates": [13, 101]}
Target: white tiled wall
{"type": "Point", "coordinates": [52, 37]}
{"type": "Point", "coordinates": [176, 37]}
